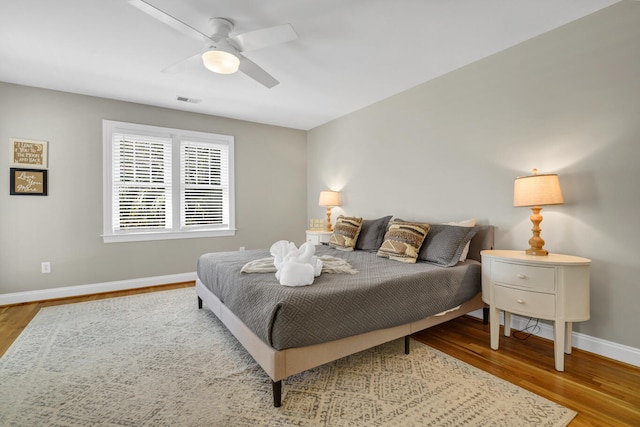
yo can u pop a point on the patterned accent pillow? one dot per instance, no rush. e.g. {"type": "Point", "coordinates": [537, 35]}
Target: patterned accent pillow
{"type": "Point", "coordinates": [403, 240]}
{"type": "Point", "coordinates": [445, 243]}
{"type": "Point", "coordinates": [345, 233]}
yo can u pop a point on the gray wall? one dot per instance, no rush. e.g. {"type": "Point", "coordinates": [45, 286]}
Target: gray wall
{"type": "Point", "coordinates": [567, 101]}
{"type": "Point", "coordinates": [64, 227]}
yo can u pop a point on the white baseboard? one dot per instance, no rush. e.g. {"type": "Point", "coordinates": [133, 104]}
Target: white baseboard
{"type": "Point", "coordinates": [612, 350]}
{"type": "Point", "coordinates": [95, 288]}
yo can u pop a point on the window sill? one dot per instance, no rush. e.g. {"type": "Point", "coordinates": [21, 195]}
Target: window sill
{"type": "Point", "coordinates": [165, 235]}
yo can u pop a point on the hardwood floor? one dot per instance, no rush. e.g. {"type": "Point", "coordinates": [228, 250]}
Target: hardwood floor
{"type": "Point", "coordinates": [603, 392]}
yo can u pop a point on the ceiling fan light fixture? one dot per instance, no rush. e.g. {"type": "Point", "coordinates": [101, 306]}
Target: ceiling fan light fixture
{"type": "Point", "coordinates": [220, 62]}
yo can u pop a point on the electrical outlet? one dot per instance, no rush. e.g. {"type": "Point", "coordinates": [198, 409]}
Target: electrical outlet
{"type": "Point", "coordinates": [241, 248]}
{"type": "Point", "coordinates": [46, 267]}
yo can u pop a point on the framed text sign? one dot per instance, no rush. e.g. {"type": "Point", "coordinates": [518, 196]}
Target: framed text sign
{"type": "Point", "coordinates": [28, 153]}
{"type": "Point", "coordinates": [28, 182]}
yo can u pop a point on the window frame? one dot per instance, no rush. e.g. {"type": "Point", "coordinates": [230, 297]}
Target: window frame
{"type": "Point", "coordinates": [177, 136]}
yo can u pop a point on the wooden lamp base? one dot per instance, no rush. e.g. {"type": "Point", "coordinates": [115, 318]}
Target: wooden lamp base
{"type": "Point", "coordinates": [536, 243]}
{"type": "Point", "coordinates": [329, 227]}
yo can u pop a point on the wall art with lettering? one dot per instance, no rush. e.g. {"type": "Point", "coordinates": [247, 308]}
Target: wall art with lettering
{"type": "Point", "coordinates": [28, 153]}
{"type": "Point", "coordinates": [28, 182]}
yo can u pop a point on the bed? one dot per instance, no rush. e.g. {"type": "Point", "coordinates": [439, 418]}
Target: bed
{"type": "Point", "coordinates": [288, 330]}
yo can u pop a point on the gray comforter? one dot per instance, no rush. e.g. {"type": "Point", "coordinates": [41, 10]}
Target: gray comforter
{"type": "Point", "coordinates": [383, 294]}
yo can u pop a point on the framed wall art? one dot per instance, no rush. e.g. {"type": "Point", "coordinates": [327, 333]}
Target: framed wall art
{"type": "Point", "coordinates": [28, 153]}
{"type": "Point", "coordinates": [28, 182]}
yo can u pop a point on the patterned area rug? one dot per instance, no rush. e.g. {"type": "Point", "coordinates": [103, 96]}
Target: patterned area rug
{"type": "Point", "coordinates": [156, 360]}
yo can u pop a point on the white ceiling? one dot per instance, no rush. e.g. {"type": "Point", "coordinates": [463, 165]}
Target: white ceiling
{"type": "Point", "coordinates": [350, 54]}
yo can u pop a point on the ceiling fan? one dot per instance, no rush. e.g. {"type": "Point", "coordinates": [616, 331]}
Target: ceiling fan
{"type": "Point", "coordinates": [222, 52]}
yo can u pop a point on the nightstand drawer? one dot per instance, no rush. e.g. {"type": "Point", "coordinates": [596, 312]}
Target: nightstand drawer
{"type": "Point", "coordinates": [523, 302]}
{"type": "Point", "coordinates": [526, 276]}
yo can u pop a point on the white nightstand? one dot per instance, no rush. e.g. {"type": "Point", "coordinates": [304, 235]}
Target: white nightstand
{"type": "Point", "coordinates": [318, 237]}
{"type": "Point", "coordinates": [553, 287]}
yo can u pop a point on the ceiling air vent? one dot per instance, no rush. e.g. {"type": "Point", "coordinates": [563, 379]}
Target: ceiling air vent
{"type": "Point", "coordinates": [191, 100]}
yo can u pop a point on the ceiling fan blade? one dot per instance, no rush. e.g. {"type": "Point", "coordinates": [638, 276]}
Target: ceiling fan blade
{"type": "Point", "coordinates": [254, 71]}
{"type": "Point", "coordinates": [187, 64]}
{"type": "Point", "coordinates": [169, 20]}
{"type": "Point", "coordinates": [265, 37]}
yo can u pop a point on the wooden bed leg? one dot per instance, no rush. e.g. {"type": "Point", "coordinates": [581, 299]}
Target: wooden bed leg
{"type": "Point", "coordinates": [485, 315]}
{"type": "Point", "coordinates": [199, 303]}
{"type": "Point", "coordinates": [277, 393]}
{"type": "Point", "coordinates": [407, 344]}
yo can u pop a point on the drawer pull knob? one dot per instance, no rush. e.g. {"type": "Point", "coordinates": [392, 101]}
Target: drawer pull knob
{"type": "Point", "coordinates": [521, 276]}
{"type": "Point", "coordinates": [520, 301]}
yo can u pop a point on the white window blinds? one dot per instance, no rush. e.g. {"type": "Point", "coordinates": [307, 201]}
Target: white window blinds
{"type": "Point", "coordinates": [141, 182]}
{"type": "Point", "coordinates": [162, 183]}
{"type": "Point", "coordinates": [204, 184]}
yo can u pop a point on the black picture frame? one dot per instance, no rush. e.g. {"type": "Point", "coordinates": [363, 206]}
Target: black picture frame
{"type": "Point", "coordinates": [28, 182]}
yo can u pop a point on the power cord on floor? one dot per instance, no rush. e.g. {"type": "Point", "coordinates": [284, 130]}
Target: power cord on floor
{"type": "Point", "coordinates": [528, 330]}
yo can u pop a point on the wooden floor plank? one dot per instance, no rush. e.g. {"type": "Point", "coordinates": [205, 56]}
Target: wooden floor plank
{"type": "Point", "coordinates": [603, 392]}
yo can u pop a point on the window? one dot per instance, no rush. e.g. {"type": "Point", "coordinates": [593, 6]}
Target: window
{"type": "Point", "coordinates": [162, 183]}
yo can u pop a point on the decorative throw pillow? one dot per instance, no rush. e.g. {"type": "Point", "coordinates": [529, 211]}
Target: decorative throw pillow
{"type": "Point", "coordinates": [465, 223]}
{"type": "Point", "coordinates": [372, 234]}
{"type": "Point", "coordinates": [403, 240]}
{"type": "Point", "coordinates": [345, 233]}
{"type": "Point", "coordinates": [444, 244]}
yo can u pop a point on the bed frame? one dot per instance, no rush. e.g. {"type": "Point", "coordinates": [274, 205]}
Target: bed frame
{"type": "Point", "coordinates": [280, 364]}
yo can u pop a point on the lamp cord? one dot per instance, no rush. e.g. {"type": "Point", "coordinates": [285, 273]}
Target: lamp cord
{"type": "Point", "coordinates": [528, 330]}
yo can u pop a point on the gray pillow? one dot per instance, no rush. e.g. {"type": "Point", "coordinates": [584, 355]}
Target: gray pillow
{"type": "Point", "coordinates": [445, 243]}
{"type": "Point", "coordinates": [372, 234]}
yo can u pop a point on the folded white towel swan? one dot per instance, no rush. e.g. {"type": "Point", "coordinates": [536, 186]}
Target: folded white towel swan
{"type": "Point", "coordinates": [295, 267]}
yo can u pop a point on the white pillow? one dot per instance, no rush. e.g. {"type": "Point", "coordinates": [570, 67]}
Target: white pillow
{"type": "Point", "coordinates": [465, 223]}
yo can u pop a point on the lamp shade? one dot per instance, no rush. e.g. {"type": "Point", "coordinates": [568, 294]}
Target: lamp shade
{"type": "Point", "coordinates": [537, 190]}
{"type": "Point", "coordinates": [329, 198]}
{"type": "Point", "coordinates": [220, 62]}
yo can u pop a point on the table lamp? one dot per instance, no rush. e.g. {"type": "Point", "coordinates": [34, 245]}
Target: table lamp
{"type": "Point", "coordinates": [536, 191]}
{"type": "Point", "coordinates": [329, 199]}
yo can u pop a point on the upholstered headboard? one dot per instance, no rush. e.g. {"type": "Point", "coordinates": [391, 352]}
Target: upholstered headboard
{"type": "Point", "coordinates": [483, 240]}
